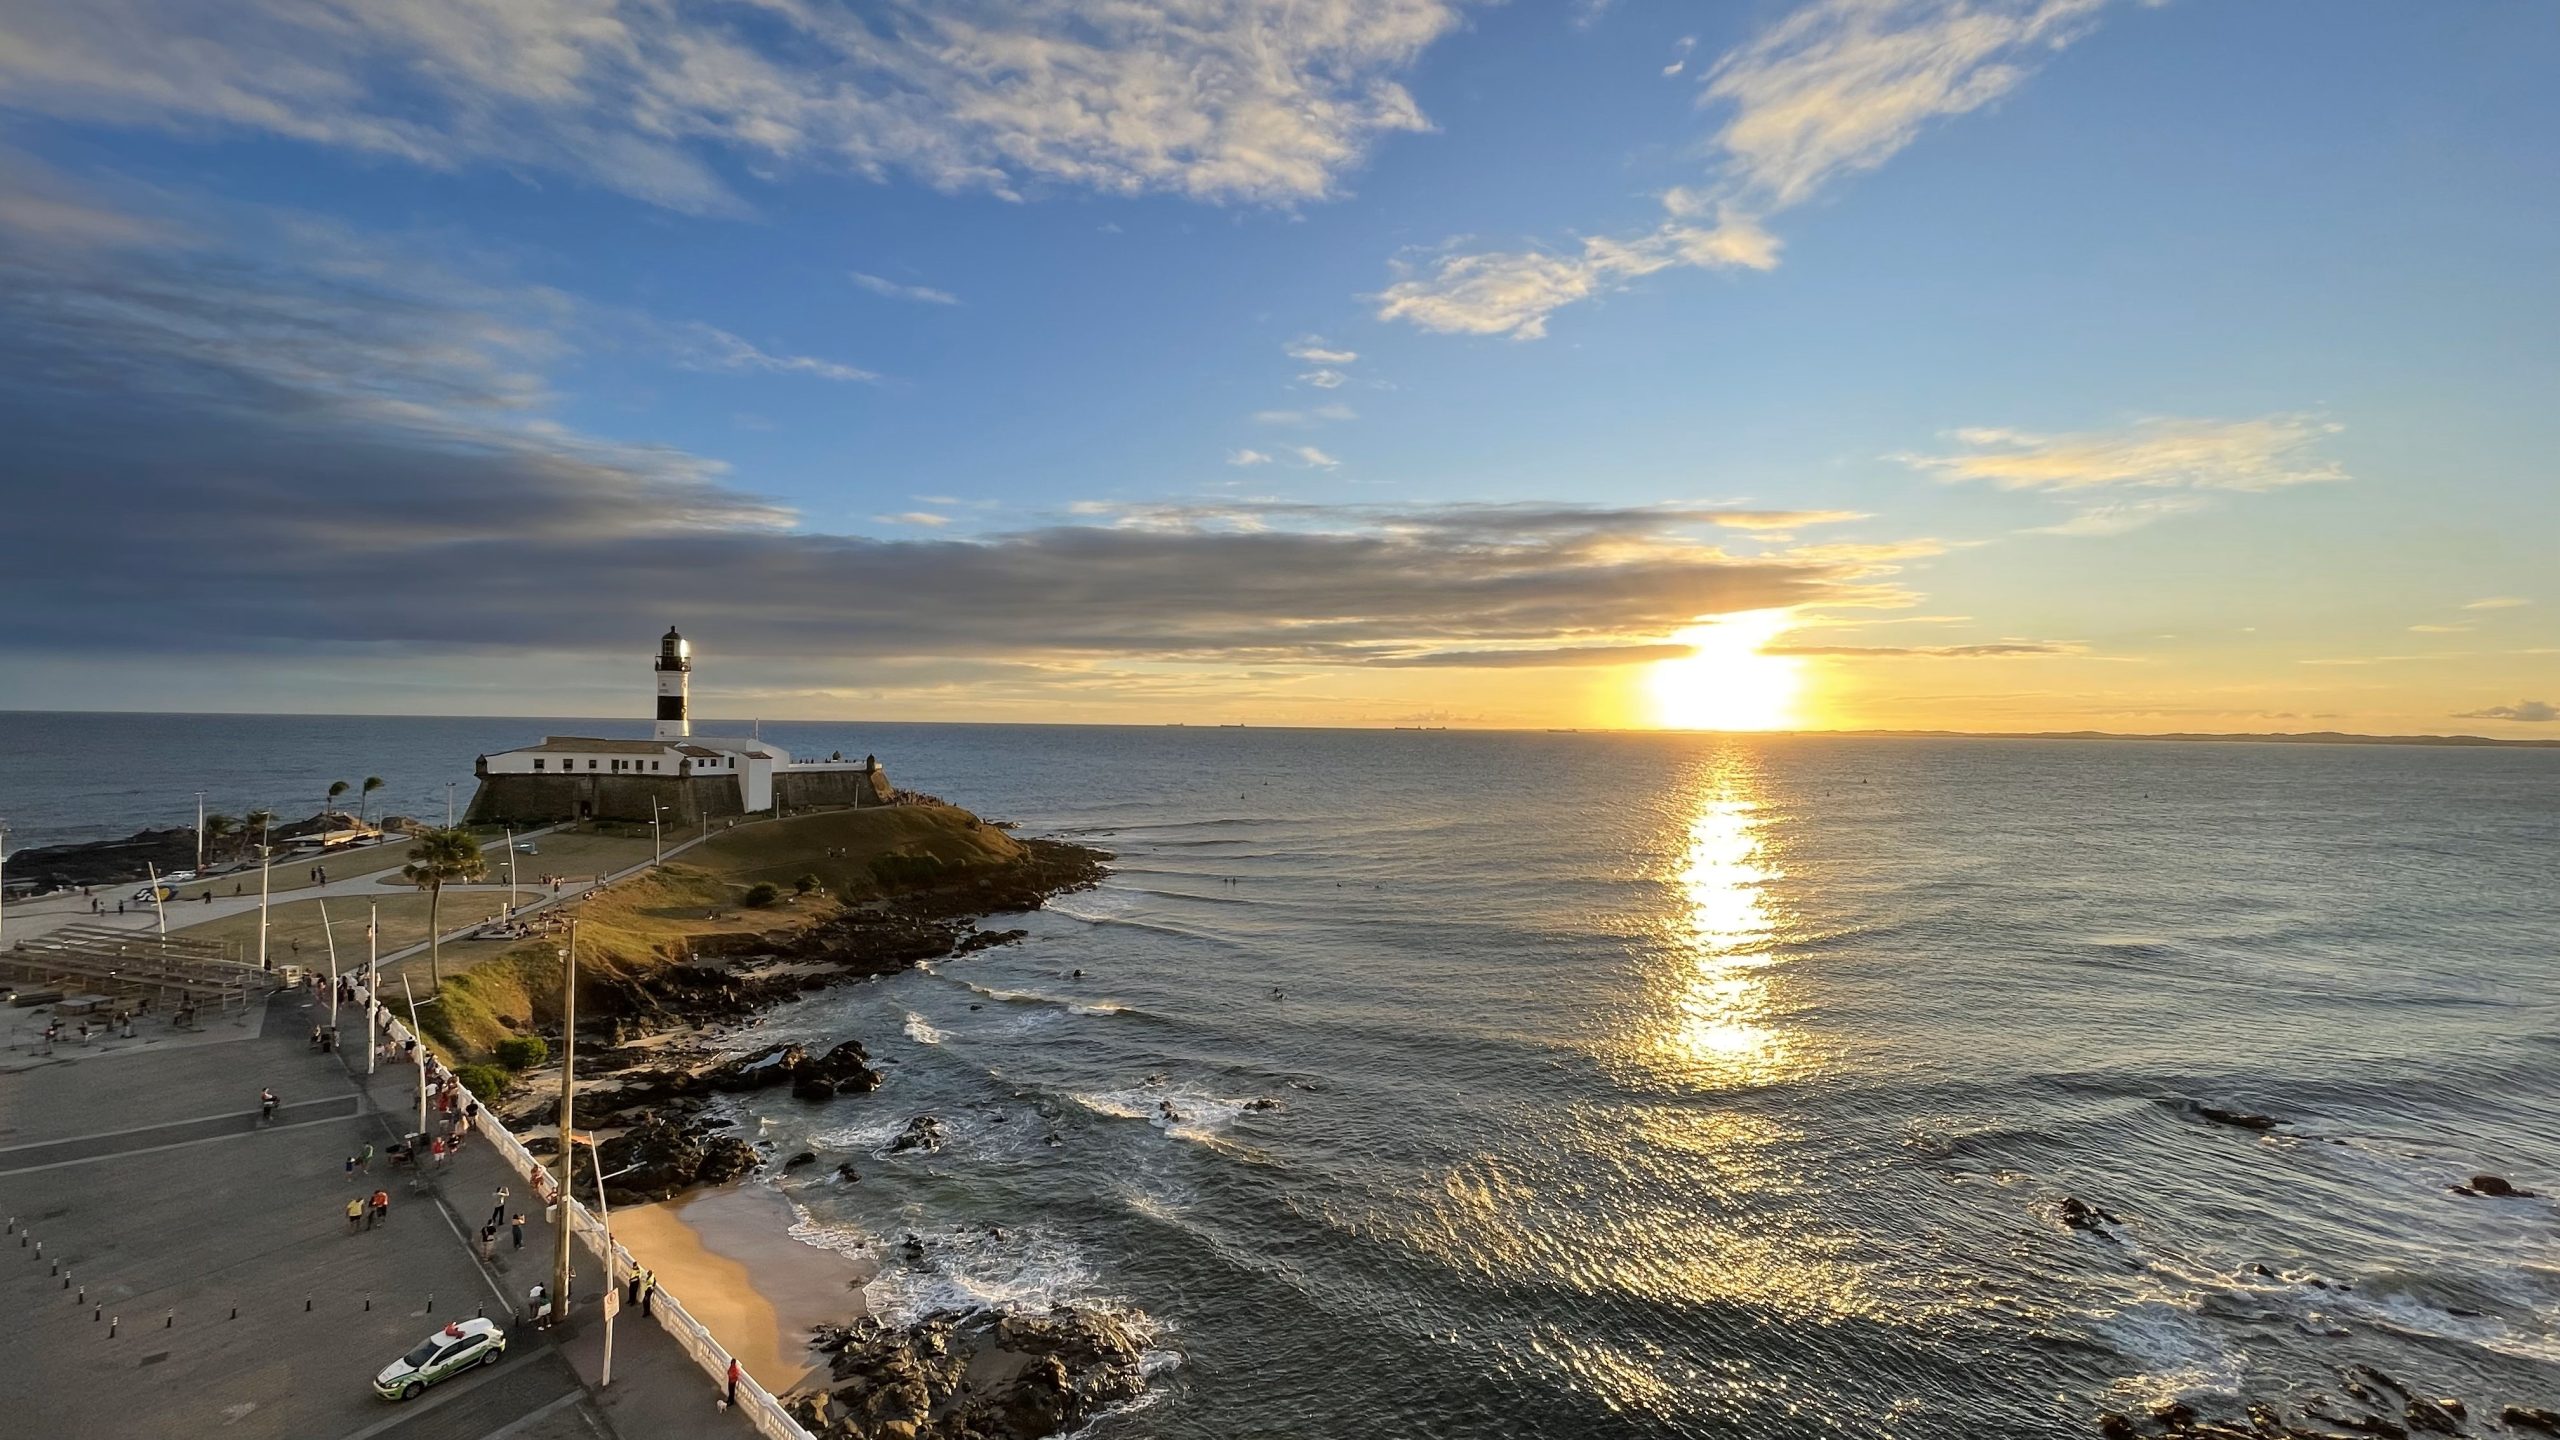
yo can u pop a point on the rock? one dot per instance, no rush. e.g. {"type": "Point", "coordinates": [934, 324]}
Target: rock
{"type": "Point", "coordinates": [665, 1158]}
{"type": "Point", "coordinates": [846, 1173]}
{"type": "Point", "coordinates": [2080, 1215]}
{"type": "Point", "coordinates": [796, 1161]}
{"type": "Point", "coordinates": [2433, 1415]}
{"type": "Point", "coordinates": [2499, 1186]}
{"type": "Point", "coordinates": [2529, 1417]}
{"type": "Point", "coordinates": [922, 1133]}
{"type": "Point", "coordinates": [771, 1066]}
{"type": "Point", "coordinates": [2241, 1118]}
{"type": "Point", "coordinates": [972, 1375]}
{"type": "Point", "coordinates": [2113, 1426]}
{"type": "Point", "coordinates": [845, 1069]}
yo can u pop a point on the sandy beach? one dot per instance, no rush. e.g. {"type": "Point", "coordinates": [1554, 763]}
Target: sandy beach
{"type": "Point", "coordinates": [729, 1255]}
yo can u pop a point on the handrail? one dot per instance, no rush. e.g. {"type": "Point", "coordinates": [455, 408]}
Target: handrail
{"type": "Point", "coordinates": [762, 1410]}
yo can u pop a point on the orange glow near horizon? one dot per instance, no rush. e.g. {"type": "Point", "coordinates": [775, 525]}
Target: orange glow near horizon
{"type": "Point", "coordinates": [1729, 683]}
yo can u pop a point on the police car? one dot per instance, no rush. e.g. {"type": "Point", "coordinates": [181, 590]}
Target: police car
{"type": "Point", "coordinates": [441, 1356]}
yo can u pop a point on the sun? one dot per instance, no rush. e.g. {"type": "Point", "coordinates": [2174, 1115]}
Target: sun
{"type": "Point", "coordinates": [1727, 683]}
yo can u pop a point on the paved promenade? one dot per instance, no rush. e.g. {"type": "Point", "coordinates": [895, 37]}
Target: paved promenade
{"type": "Point", "coordinates": [175, 1267]}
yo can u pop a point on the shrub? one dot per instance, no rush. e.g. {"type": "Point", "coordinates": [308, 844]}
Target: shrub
{"type": "Point", "coordinates": [805, 884]}
{"type": "Point", "coordinates": [486, 1081]}
{"type": "Point", "coordinates": [760, 896]}
{"type": "Point", "coordinates": [898, 871]}
{"type": "Point", "coordinates": [522, 1052]}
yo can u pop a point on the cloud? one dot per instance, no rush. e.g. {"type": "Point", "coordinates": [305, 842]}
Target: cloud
{"type": "Point", "coordinates": [2439, 629]}
{"type": "Point", "coordinates": [1248, 457]}
{"type": "Point", "coordinates": [2531, 711]}
{"type": "Point", "coordinates": [1996, 650]}
{"type": "Point", "coordinates": [1220, 100]}
{"type": "Point", "coordinates": [924, 294]}
{"type": "Point", "coordinates": [925, 518]}
{"type": "Point", "coordinates": [1538, 657]}
{"type": "Point", "coordinates": [1305, 417]}
{"type": "Point", "coordinates": [2248, 455]}
{"type": "Point", "coordinates": [1313, 458]}
{"type": "Point", "coordinates": [717, 349]}
{"type": "Point", "coordinates": [1323, 379]}
{"type": "Point", "coordinates": [1314, 351]}
{"type": "Point", "coordinates": [347, 419]}
{"type": "Point", "coordinates": [2120, 516]}
{"type": "Point", "coordinates": [2497, 602]}
{"type": "Point", "coordinates": [1835, 88]}
{"type": "Point", "coordinates": [1512, 293]}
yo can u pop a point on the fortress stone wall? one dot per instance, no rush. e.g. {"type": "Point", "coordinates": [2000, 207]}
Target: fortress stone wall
{"type": "Point", "coordinates": [528, 800]}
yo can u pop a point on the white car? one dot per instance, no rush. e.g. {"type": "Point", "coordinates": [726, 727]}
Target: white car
{"type": "Point", "coordinates": [177, 876]}
{"type": "Point", "coordinates": [441, 1356]}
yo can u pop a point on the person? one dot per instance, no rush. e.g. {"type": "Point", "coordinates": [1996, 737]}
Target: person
{"type": "Point", "coordinates": [266, 1107]}
{"type": "Point", "coordinates": [381, 1214]}
{"type": "Point", "coordinates": [364, 1159]}
{"type": "Point", "coordinates": [518, 1225]}
{"type": "Point", "coordinates": [355, 1213]}
{"type": "Point", "coordinates": [489, 1241]}
{"type": "Point", "coordinates": [435, 1149]}
{"type": "Point", "coordinates": [734, 1372]}
{"type": "Point", "coordinates": [538, 1303]}
{"type": "Point", "coordinates": [499, 1210]}
{"type": "Point", "coordinates": [351, 1169]}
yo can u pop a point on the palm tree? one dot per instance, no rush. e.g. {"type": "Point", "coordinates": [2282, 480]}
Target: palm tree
{"type": "Point", "coordinates": [258, 820]}
{"type": "Point", "coordinates": [439, 856]}
{"type": "Point", "coordinates": [364, 798]}
{"type": "Point", "coordinates": [336, 789]}
{"type": "Point", "coordinates": [217, 828]}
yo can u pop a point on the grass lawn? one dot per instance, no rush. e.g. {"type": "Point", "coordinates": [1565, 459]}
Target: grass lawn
{"type": "Point", "coordinates": [293, 872]}
{"type": "Point", "coordinates": [293, 929]}
{"type": "Point", "coordinates": [838, 846]}
{"type": "Point", "coordinates": [579, 856]}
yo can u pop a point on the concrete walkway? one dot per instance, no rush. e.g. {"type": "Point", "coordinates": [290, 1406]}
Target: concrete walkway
{"type": "Point", "coordinates": [172, 1266]}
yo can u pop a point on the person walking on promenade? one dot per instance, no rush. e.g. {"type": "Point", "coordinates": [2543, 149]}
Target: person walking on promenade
{"type": "Point", "coordinates": [381, 1209]}
{"type": "Point", "coordinates": [435, 1149]}
{"type": "Point", "coordinates": [364, 1160]}
{"type": "Point", "coordinates": [355, 1213]}
{"type": "Point", "coordinates": [499, 1210]}
{"type": "Point", "coordinates": [489, 1241]}
{"type": "Point", "coordinates": [648, 1288]}
{"type": "Point", "coordinates": [266, 1107]}
{"type": "Point", "coordinates": [351, 1169]}
{"type": "Point", "coordinates": [734, 1372]}
{"type": "Point", "coordinates": [518, 1224]}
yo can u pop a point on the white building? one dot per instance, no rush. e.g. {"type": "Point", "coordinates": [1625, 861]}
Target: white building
{"type": "Point", "coordinates": [683, 776]}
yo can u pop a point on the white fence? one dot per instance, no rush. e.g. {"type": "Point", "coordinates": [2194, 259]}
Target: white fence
{"type": "Point", "coordinates": [759, 1406]}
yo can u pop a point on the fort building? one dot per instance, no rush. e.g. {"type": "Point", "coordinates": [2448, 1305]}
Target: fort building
{"type": "Point", "coordinates": [679, 777]}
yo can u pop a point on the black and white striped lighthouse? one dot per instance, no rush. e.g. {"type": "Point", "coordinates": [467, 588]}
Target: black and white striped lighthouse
{"type": "Point", "coordinates": [675, 685]}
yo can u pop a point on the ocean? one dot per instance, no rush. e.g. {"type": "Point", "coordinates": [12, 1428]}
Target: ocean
{"type": "Point", "coordinates": [1630, 1085]}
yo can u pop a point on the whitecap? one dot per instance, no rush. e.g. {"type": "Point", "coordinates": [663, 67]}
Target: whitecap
{"type": "Point", "coordinates": [922, 1031]}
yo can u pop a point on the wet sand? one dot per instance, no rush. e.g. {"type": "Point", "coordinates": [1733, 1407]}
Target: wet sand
{"type": "Point", "coordinates": [729, 1255]}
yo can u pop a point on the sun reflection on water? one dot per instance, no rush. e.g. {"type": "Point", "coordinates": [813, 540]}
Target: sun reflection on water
{"type": "Point", "coordinates": [1717, 1024]}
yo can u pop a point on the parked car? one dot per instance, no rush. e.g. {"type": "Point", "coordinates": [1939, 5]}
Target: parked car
{"type": "Point", "coordinates": [175, 876]}
{"type": "Point", "coordinates": [527, 847]}
{"type": "Point", "coordinates": [457, 1347]}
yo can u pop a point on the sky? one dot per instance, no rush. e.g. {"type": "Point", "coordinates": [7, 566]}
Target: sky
{"type": "Point", "coordinates": [1958, 364]}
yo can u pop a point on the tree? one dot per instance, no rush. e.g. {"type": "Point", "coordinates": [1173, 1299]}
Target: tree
{"type": "Point", "coordinates": [217, 828]}
{"type": "Point", "coordinates": [438, 857]}
{"type": "Point", "coordinates": [256, 823]}
{"type": "Point", "coordinates": [364, 798]}
{"type": "Point", "coordinates": [336, 789]}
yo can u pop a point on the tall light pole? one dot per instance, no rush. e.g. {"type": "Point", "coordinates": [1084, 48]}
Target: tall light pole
{"type": "Point", "coordinates": [568, 1127]}
{"type": "Point", "coordinates": [158, 911]}
{"type": "Point", "coordinates": [199, 834]}
{"type": "Point", "coordinates": [4, 864]}
{"type": "Point", "coordinates": [421, 1049]}
{"type": "Point", "coordinates": [604, 1216]}
{"type": "Point", "coordinates": [448, 804]}
{"type": "Point", "coordinates": [331, 935]}
{"type": "Point", "coordinates": [657, 834]}
{"type": "Point", "coordinates": [266, 857]}
{"type": "Point", "coordinates": [511, 870]}
{"type": "Point", "coordinates": [372, 980]}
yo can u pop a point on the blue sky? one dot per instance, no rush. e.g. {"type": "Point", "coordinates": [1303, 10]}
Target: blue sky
{"type": "Point", "coordinates": [2050, 363]}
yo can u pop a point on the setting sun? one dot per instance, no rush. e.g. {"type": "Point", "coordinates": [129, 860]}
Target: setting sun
{"type": "Point", "coordinates": [1728, 683]}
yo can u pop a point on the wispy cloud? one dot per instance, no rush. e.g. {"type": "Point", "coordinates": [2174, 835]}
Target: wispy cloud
{"type": "Point", "coordinates": [1323, 379]}
{"type": "Point", "coordinates": [924, 294]}
{"type": "Point", "coordinates": [1991, 650]}
{"type": "Point", "coordinates": [1313, 458]}
{"type": "Point", "coordinates": [1835, 88]}
{"type": "Point", "coordinates": [1248, 457]}
{"type": "Point", "coordinates": [2266, 453]}
{"type": "Point", "coordinates": [1314, 351]}
{"type": "Point", "coordinates": [2497, 602]}
{"type": "Point", "coordinates": [717, 349]}
{"type": "Point", "coordinates": [2440, 629]}
{"type": "Point", "coordinates": [1680, 55]}
{"type": "Point", "coordinates": [923, 518]}
{"type": "Point", "coordinates": [1313, 416]}
{"type": "Point", "coordinates": [2536, 712]}
{"type": "Point", "coordinates": [1254, 100]}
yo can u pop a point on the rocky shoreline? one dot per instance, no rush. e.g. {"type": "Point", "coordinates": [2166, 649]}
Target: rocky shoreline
{"type": "Point", "coordinates": [656, 1085]}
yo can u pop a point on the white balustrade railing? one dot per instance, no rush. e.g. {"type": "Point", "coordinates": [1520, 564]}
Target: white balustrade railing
{"type": "Point", "coordinates": [758, 1404]}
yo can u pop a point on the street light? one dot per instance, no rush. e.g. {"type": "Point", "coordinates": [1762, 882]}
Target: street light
{"type": "Point", "coordinates": [420, 1046]}
{"type": "Point", "coordinates": [657, 835]}
{"type": "Point", "coordinates": [448, 804]}
{"type": "Point", "coordinates": [604, 1217]}
{"type": "Point", "coordinates": [568, 1129]}
{"type": "Point", "coordinates": [4, 864]}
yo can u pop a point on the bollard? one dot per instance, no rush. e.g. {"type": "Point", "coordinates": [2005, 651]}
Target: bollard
{"type": "Point", "coordinates": [235, 1312]}
{"type": "Point", "coordinates": [431, 1302]}
{"type": "Point", "coordinates": [368, 1300]}
{"type": "Point", "coordinates": [83, 1297]}
{"type": "Point", "coordinates": [98, 1314]}
{"type": "Point", "coordinates": [111, 1328]}
{"type": "Point", "coordinates": [57, 1268]}
{"type": "Point", "coordinates": [171, 1322]}
{"type": "Point", "coordinates": [480, 1311]}
{"type": "Point", "coordinates": [306, 1304]}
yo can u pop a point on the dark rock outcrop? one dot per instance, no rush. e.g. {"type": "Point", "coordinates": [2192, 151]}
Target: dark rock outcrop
{"type": "Point", "coordinates": [2081, 1215]}
{"type": "Point", "coordinates": [846, 1069]}
{"type": "Point", "coordinates": [2240, 1118]}
{"type": "Point", "coordinates": [922, 1133]}
{"type": "Point", "coordinates": [668, 1157]}
{"type": "Point", "coordinates": [972, 1375]}
{"type": "Point", "coordinates": [2530, 1418]}
{"type": "Point", "coordinates": [2495, 1186]}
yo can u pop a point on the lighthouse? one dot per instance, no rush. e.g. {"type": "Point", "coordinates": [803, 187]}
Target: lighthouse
{"type": "Point", "coordinates": [675, 683]}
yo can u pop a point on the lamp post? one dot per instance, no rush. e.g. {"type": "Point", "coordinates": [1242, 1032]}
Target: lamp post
{"type": "Point", "coordinates": [330, 934]}
{"type": "Point", "coordinates": [511, 871]}
{"type": "Point", "coordinates": [421, 1048]}
{"type": "Point", "coordinates": [266, 857]}
{"type": "Point", "coordinates": [158, 911]}
{"type": "Point", "coordinates": [199, 834]}
{"type": "Point", "coordinates": [568, 1151]}
{"type": "Point", "coordinates": [4, 865]}
{"type": "Point", "coordinates": [448, 804]}
{"type": "Point", "coordinates": [604, 1217]}
{"type": "Point", "coordinates": [657, 835]}
{"type": "Point", "coordinates": [372, 980]}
